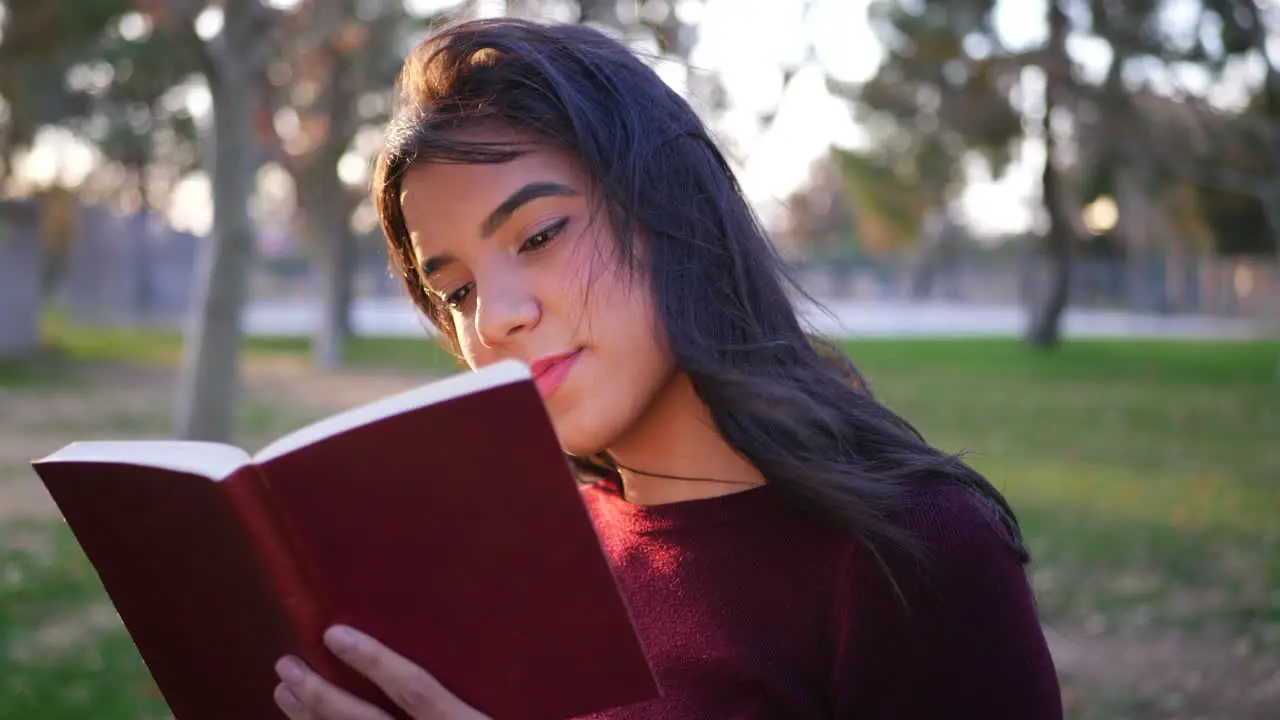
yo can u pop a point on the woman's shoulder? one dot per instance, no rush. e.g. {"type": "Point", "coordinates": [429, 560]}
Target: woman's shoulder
{"type": "Point", "coordinates": [948, 512]}
{"type": "Point", "coordinates": [957, 535]}
{"type": "Point", "coordinates": [960, 618]}
{"type": "Point", "coordinates": [961, 592]}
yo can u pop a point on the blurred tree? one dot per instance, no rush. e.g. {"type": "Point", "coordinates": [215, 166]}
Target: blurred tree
{"type": "Point", "coordinates": [655, 19]}
{"type": "Point", "coordinates": [234, 41]}
{"type": "Point", "coordinates": [654, 26]}
{"type": "Point", "coordinates": [1246, 187]}
{"type": "Point", "coordinates": [600, 12]}
{"type": "Point", "coordinates": [133, 119]}
{"type": "Point", "coordinates": [335, 64]}
{"type": "Point", "coordinates": [1180, 171]}
{"type": "Point", "coordinates": [41, 40]}
{"type": "Point", "coordinates": [91, 71]}
{"type": "Point", "coordinates": [59, 208]}
{"type": "Point", "coordinates": [138, 121]}
{"type": "Point", "coordinates": [19, 277]}
{"type": "Point", "coordinates": [819, 219]}
{"type": "Point", "coordinates": [934, 106]}
{"type": "Point", "coordinates": [1157, 151]}
{"type": "Point", "coordinates": [933, 100]}
{"type": "Point", "coordinates": [888, 210]}
{"type": "Point", "coordinates": [1044, 328]}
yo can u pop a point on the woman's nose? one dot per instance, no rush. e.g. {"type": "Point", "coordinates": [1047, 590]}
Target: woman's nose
{"type": "Point", "coordinates": [504, 309]}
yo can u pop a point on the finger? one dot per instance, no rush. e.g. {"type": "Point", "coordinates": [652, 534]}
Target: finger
{"type": "Point", "coordinates": [289, 703]}
{"type": "Point", "coordinates": [407, 684]}
{"type": "Point", "coordinates": [321, 699]}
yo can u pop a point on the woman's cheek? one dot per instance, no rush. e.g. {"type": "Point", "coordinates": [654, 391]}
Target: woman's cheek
{"type": "Point", "coordinates": [473, 352]}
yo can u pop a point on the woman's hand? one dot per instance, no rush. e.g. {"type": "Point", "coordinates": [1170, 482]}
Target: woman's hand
{"type": "Point", "coordinates": [304, 695]}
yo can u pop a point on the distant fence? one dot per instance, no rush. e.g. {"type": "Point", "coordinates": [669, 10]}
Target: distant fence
{"type": "Point", "coordinates": [1248, 287]}
{"type": "Point", "coordinates": [1213, 286]}
{"type": "Point", "coordinates": [128, 270]}
{"type": "Point", "coordinates": [19, 279]}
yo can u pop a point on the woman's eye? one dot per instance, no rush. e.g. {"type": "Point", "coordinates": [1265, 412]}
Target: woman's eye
{"type": "Point", "coordinates": [544, 236]}
{"type": "Point", "coordinates": [457, 297]}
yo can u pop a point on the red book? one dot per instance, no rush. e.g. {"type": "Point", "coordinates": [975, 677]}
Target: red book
{"type": "Point", "coordinates": [444, 521]}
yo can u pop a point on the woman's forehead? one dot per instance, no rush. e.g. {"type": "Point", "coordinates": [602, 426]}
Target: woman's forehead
{"type": "Point", "coordinates": [440, 177]}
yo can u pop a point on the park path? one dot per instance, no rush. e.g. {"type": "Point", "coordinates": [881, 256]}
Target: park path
{"type": "Point", "coordinates": [129, 402]}
{"type": "Point", "coordinates": [394, 316]}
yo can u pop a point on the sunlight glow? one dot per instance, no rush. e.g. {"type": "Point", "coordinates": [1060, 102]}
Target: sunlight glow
{"type": "Point", "coordinates": [134, 26]}
{"type": "Point", "coordinates": [209, 23]}
{"type": "Point", "coordinates": [426, 8]}
{"type": "Point", "coordinates": [189, 206]}
{"type": "Point", "coordinates": [56, 156]}
{"type": "Point", "coordinates": [353, 170]}
{"type": "Point", "coordinates": [1101, 215]}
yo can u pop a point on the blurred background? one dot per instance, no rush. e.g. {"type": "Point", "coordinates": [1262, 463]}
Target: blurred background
{"type": "Point", "coordinates": [1048, 231]}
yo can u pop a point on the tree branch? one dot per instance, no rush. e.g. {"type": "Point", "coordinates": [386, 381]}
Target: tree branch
{"type": "Point", "coordinates": [244, 46]}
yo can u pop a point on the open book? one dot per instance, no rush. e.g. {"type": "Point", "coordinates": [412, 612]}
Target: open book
{"type": "Point", "coordinates": [444, 521]}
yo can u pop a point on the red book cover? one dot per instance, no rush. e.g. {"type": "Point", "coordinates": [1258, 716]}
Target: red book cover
{"type": "Point", "coordinates": [444, 521]}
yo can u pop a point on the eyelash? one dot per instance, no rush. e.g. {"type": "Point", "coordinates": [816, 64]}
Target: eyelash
{"type": "Point", "coordinates": [547, 235]}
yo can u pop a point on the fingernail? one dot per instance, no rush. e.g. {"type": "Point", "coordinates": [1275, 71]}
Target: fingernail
{"type": "Point", "coordinates": [289, 670]}
{"type": "Point", "coordinates": [286, 699]}
{"type": "Point", "coordinates": [340, 639]}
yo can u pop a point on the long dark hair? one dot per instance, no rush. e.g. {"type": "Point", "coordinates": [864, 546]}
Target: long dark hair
{"type": "Point", "coordinates": [793, 405]}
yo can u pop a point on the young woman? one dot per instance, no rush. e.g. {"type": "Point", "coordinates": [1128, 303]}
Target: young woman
{"type": "Point", "coordinates": [789, 547]}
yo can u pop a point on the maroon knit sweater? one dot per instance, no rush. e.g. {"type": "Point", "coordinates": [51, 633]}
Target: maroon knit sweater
{"type": "Point", "coordinates": [750, 609]}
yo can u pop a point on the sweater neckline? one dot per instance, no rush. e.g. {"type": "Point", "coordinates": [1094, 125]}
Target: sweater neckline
{"type": "Point", "coordinates": [700, 512]}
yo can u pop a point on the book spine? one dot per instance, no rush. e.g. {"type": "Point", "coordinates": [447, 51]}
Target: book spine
{"type": "Point", "coordinates": [300, 596]}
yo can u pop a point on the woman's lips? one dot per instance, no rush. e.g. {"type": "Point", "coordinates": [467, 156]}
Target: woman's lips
{"type": "Point", "coordinates": [550, 371]}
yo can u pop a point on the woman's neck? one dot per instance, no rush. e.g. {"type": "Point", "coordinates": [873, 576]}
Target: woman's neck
{"type": "Point", "coordinates": [675, 452]}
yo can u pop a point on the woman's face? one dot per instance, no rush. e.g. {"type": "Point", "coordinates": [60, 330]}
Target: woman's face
{"type": "Point", "coordinates": [527, 265]}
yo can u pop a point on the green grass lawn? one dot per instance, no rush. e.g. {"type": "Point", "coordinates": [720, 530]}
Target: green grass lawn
{"type": "Point", "coordinates": [1146, 476]}
{"type": "Point", "coordinates": [67, 348]}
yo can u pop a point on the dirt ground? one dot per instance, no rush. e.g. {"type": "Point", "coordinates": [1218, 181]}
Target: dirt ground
{"type": "Point", "coordinates": [1103, 675]}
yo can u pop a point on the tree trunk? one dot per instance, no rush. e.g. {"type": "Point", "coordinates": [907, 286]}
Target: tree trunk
{"type": "Point", "coordinates": [1134, 227]}
{"type": "Point", "coordinates": [19, 278]}
{"type": "Point", "coordinates": [335, 318]}
{"type": "Point", "coordinates": [324, 208]}
{"type": "Point", "coordinates": [1045, 328]}
{"type": "Point", "coordinates": [327, 219]}
{"type": "Point", "coordinates": [600, 12]}
{"type": "Point", "coordinates": [208, 384]}
{"type": "Point", "coordinates": [1271, 95]}
{"type": "Point", "coordinates": [1271, 103]}
{"type": "Point", "coordinates": [143, 244]}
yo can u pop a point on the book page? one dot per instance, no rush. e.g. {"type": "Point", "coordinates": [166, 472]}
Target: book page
{"type": "Point", "coordinates": [212, 460]}
{"type": "Point", "coordinates": [466, 383]}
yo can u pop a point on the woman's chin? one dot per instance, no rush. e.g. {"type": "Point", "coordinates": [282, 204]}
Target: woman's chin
{"type": "Point", "coordinates": [580, 441]}
{"type": "Point", "coordinates": [581, 450]}
{"type": "Point", "coordinates": [589, 428]}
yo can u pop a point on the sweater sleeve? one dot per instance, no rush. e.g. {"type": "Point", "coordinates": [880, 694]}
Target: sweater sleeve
{"type": "Point", "coordinates": [968, 642]}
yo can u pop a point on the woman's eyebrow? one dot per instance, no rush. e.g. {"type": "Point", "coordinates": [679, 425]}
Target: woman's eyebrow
{"type": "Point", "coordinates": [529, 192]}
